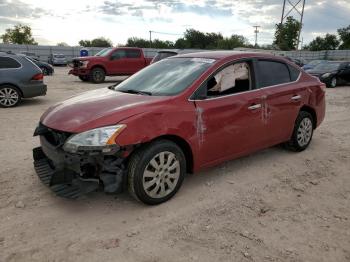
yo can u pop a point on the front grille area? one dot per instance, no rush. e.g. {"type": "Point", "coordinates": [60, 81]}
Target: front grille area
{"type": "Point", "coordinates": [54, 137]}
{"type": "Point", "coordinates": [76, 63]}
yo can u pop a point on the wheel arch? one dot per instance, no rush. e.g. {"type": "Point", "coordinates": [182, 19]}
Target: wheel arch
{"type": "Point", "coordinates": [185, 147]}
{"type": "Point", "coordinates": [99, 66]}
{"type": "Point", "coordinates": [312, 111]}
{"type": "Point", "coordinates": [13, 85]}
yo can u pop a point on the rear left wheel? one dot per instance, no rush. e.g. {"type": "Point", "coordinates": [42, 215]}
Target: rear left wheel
{"type": "Point", "coordinates": [156, 172]}
{"type": "Point", "coordinates": [9, 96]}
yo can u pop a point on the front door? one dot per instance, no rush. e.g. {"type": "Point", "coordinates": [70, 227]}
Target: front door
{"type": "Point", "coordinates": [230, 120]}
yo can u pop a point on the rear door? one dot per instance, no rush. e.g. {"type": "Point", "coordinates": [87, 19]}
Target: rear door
{"type": "Point", "coordinates": [118, 63]}
{"type": "Point", "coordinates": [136, 60]}
{"type": "Point", "coordinates": [283, 97]}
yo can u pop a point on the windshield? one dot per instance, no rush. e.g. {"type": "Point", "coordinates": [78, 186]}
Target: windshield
{"type": "Point", "coordinates": [327, 66]}
{"type": "Point", "coordinates": [104, 52]}
{"type": "Point", "coordinates": [166, 77]}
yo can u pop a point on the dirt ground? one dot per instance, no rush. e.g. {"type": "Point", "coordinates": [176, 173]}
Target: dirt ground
{"type": "Point", "coordinates": [274, 205]}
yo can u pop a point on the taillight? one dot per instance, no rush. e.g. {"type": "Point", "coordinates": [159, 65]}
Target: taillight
{"type": "Point", "coordinates": [38, 77]}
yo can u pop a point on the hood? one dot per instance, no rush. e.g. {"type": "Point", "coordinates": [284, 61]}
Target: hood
{"type": "Point", "coordinates": [97, 108]}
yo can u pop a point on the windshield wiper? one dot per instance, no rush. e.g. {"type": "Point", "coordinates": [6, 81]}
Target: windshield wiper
{"type": "Point", "coordinates": [133, 91]}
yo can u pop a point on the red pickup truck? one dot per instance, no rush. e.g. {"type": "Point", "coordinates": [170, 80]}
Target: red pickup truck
{"type": "Point", "coordinates": [109, 62]}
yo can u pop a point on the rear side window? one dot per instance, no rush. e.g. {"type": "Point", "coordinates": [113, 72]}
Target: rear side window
{"type": "Point", "coordinates": [8, 62]}
{"type": "Point", "coordinates": [133, 53]}
{"type": "Point", "coordinates": [272, 73]}
{"type": "Point", "coordinates": [294, 73]}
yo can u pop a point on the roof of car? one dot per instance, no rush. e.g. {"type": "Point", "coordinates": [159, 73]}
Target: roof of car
{"type": "Point", "coordinates": [218, 55]}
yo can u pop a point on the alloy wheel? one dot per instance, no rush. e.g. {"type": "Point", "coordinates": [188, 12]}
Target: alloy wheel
{"type": "Point", "coordinates": [8, 97]}
{"type": "Point", "coordinates": [161, 175]}
{"type": "Point", "coordinates": [304, 132]}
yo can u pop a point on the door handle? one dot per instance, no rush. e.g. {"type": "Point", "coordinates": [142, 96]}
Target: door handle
{"type": "Point", "coordinates": [254, 107]}
{"type": "Point", "coordinates": [296, 97]}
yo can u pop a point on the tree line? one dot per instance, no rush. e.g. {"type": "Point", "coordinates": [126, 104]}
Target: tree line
{"type": "Point", "coordinates": [285, 38]}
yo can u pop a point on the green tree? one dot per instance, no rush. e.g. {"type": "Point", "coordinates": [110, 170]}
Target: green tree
{"type": "Point", "coordinates": [97, 42]}
{"type": "Point", "coordinates": [286, 35]}
{"type": "Point", "coordinates": [20, 34]}
{"type": "Point", "coordinates": [143, 43]}
{"type": "Point", "coordinates": [181, 43]}
{"type": "Point", "coordinates": [62, 44]}
{"type": "Point", "coordinates": [329, 42]}
{"type": "Point", "coordinates": [344, 34]}
{"type": "Point", "coordinates": [232, 42]}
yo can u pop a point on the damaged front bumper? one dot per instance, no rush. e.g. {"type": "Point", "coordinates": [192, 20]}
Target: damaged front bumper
{"type": "Point", "coordinates": [72, 175]}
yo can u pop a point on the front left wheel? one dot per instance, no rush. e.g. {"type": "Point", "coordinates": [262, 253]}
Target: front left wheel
{"type": "Point", "coordinates": [156, 172]}
{"type": "Point", "coordinates": [9, 96]}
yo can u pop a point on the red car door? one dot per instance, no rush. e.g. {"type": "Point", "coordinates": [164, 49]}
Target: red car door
{"type": "Point", "coordinates": [283, 98]}
{"type": "Point", "coordinates": [118, 63]}
{"type": "Point", "coordinates": [230, 125]}
{"type": "Point", "coordinates": [136, 60]}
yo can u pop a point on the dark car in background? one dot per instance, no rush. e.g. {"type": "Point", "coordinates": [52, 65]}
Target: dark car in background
{"type": "Point", "coordinates": [46, 68]}
{"type": "Point", "coordinates": [313, 63]}
{"type": "Point", "coordinates": [168, 53]}
{"type": "Point", "coordinates": [332, 73]}
{"type": "Point", "coordinates": [57, 59]}
{"type": "Point", "coordinates": [19, 78]}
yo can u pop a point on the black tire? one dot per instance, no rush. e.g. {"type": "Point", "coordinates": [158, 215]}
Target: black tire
{"type": "Point", "coordinates": [294, 143]}
{"type": "Point", "coordinates": [97, 75]}
{"type": "Point", "coordinates": [45, 71]}
{"type": "Point", "coordinates": [84, 78]}
{"type": "Point", "coordinates": [140, 160]}
{"type": "Point", "coordinates": [8, 89]}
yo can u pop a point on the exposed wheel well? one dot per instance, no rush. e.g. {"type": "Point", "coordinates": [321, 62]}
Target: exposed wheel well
{"type": "Point", "coordinates": [186, 148]}
{"type": "Point", "coordinates": [99, 66]}
{"type": "Point", "coordinates": [312, 112]}
{"type": "Point", "coordinates": [18, 89]}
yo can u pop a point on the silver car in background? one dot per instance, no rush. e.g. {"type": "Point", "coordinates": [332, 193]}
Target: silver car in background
{"type": "Point", "coordinates": [57, 59]}
{"type": "Point", "coordinates": [19, 78]}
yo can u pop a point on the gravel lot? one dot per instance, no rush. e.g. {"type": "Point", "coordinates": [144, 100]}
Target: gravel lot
{"type": "Point", "coordinates": [274, 205]}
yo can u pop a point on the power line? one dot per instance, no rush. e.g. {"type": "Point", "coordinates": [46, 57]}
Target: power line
{"type": "Point", "coordinates": [162, 33]}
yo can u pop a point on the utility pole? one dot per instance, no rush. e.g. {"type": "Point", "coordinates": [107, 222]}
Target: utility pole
{"type": "Point", "coordinates": [298, 6]}
{"type": "Point", "coordinates": [150, 39]}
{"type": "Point", "coordinates": [256, 31]}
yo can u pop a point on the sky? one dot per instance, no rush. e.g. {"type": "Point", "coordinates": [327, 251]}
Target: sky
{"type": "Point", "coordinates": [54, 21]}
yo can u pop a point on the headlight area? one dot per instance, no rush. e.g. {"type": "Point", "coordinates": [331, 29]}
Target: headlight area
{"type": "Point", "coordinates": [75, 164]}
{"type": "Point", "coordinates": [99, 140]}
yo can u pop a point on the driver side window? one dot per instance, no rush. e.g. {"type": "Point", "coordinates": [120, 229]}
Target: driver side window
{"type": "Point", "coordinates": [232, 79]}
{"type": "Point", "coordinates": [118, 54]}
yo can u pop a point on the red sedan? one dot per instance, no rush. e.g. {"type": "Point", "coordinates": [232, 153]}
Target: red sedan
{"type": "Point", "coordinates": [179, 115]}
